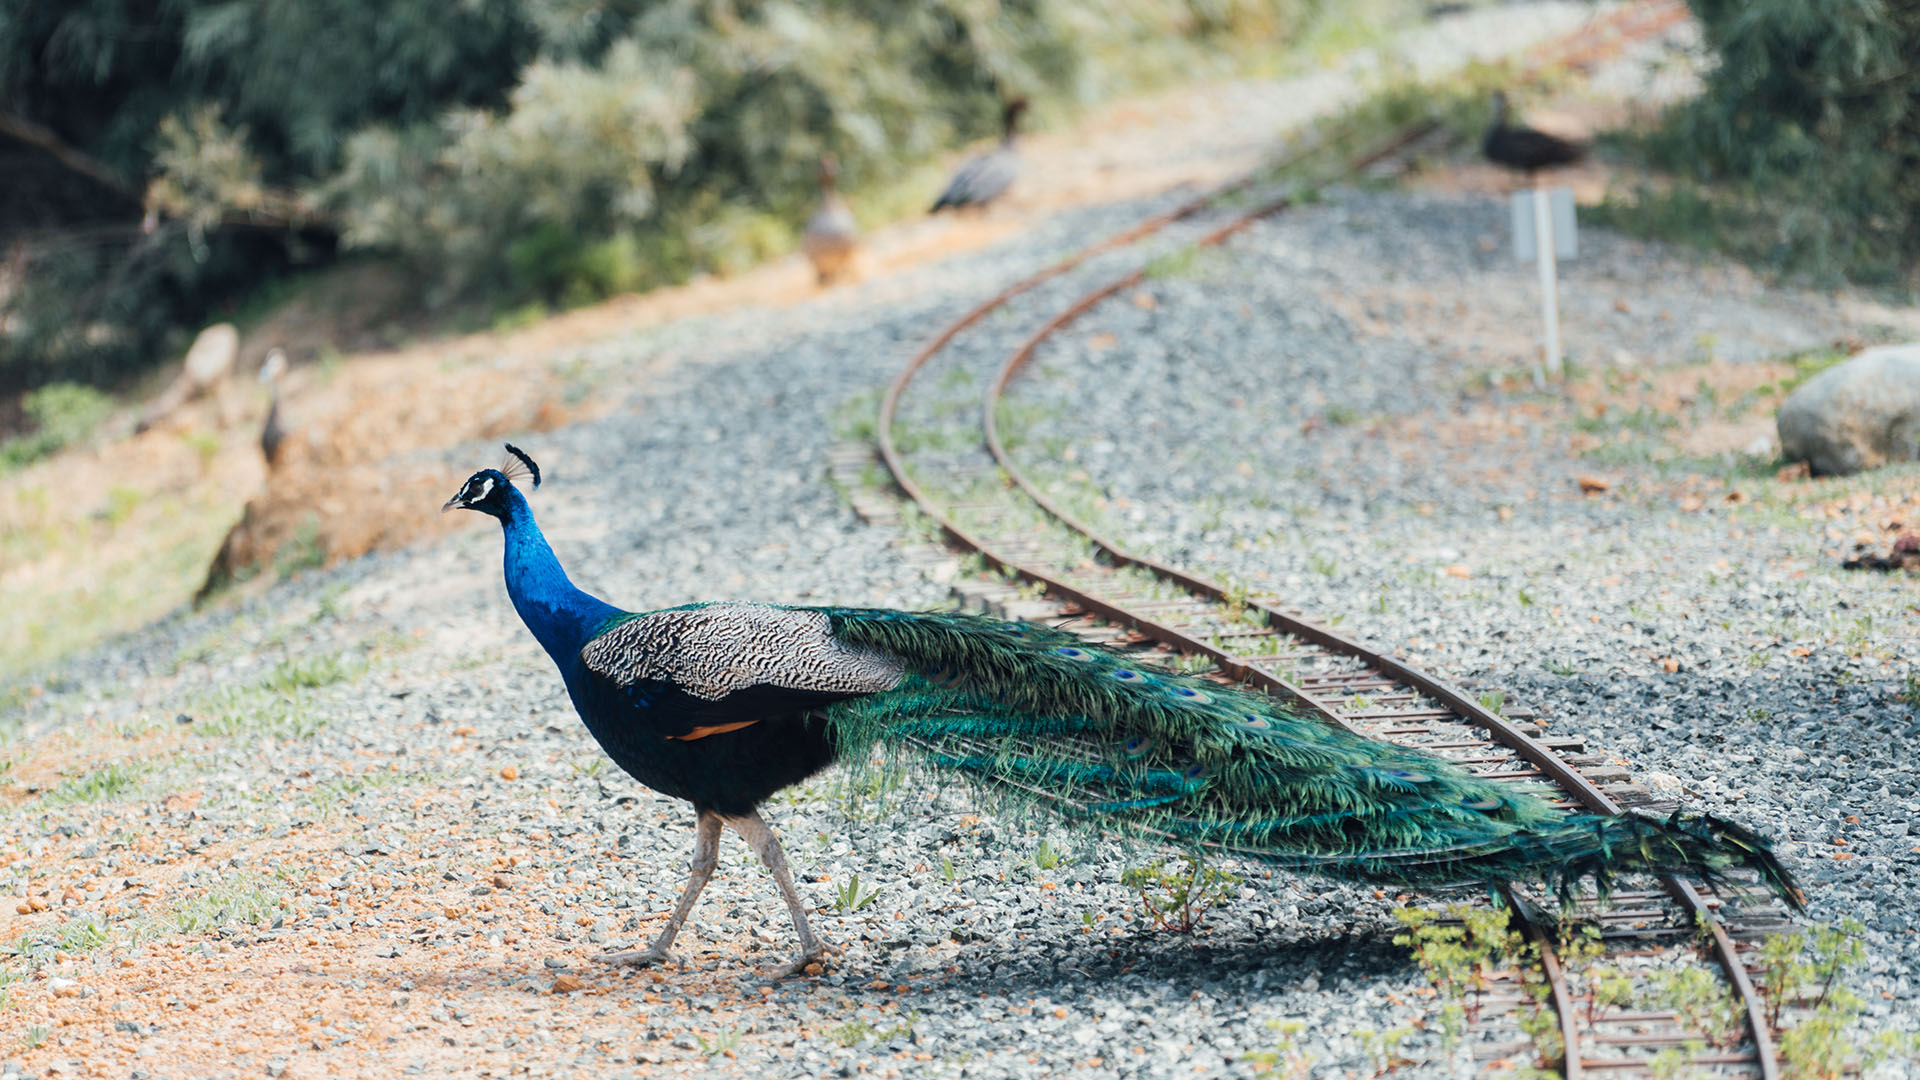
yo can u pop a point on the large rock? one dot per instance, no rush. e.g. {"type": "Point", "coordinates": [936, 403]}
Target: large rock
{"type": "Point", "coordinates": [1857, 415]}
{"type": "Point", "coordinates": [211, 356]}
{"type": "Point", "coordinates": [209, 361]}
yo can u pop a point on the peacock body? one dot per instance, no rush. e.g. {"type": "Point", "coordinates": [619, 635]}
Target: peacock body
{"type": "Point", "coordinates": [723, 704]}
{"type": "Point", "coordinates": [831, 238]}
{"type": "Point", "coordinates": [1522, 148]}
{"type": "Point", "coordinates": [983, 178]}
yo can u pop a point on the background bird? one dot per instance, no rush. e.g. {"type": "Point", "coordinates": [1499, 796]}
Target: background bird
{"type": "Point", "coordinates": [1524, 149]}
{"type": "Point", "coordinates": [724, 704]}
{"type": "Point", "coordinates": [831, 239]}
{"type": "Point", "coordinates": [985, 177]}
{"type": "Point", "coordinates": [273, 433]}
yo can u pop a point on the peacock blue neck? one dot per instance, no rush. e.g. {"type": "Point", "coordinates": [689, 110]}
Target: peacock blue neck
{"type": "Point", "coordinates": [561, 616]}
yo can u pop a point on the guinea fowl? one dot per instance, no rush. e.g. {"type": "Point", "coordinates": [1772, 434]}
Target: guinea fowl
{"type": "Point", "coordinates": [723, 704]}
{"type": "Point", "coordinates": [985, 177]}
{"type": "Point", "coordinates": [831, 238]}
{"type": "Point", "coordinates": [273, 433]}
{"type": "Point", "coordinates": [1524, 149]}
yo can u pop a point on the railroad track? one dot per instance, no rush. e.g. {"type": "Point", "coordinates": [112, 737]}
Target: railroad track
{"type": "Point", "coordinates": [962, 478]}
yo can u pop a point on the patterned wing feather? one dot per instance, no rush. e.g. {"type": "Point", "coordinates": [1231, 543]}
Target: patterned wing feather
{"type": "Point", "coordinates": [980, 180]}
{"type": "Point", "coordinates": [684, 669]}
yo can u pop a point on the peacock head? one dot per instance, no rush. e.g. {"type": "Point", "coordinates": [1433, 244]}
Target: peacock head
{"type": "Point", "coordinates": [486, 490]}
{"type": "Point", "coordinates": [1010, 114]}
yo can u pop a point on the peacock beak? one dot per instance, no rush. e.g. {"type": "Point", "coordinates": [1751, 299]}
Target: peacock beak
{"type": "Point", "coordinates": [450, 503]}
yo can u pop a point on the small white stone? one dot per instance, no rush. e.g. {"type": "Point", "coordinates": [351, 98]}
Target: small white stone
{"type": "Point", "coordinates": [1664, 783]}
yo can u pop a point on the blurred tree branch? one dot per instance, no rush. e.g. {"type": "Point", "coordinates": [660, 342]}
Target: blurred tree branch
{"type": "Point", "coordinates": [66, 154]}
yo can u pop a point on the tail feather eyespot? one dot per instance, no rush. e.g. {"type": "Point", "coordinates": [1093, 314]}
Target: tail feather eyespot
{"type": "Point", "coordinates": [1072, 653]}
{"type": "Point", "coordinates": [1138, 748]}
{"type": "Point", "coordinates": [1485, 802]}
{"type": "Point", "coordinates": [1126, 676]}
{"type": "Point", "coordinates": [1189, 694]}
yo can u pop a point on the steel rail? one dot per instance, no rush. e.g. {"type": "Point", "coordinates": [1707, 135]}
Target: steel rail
{"type": "Point", "coordinates": [889, 405]}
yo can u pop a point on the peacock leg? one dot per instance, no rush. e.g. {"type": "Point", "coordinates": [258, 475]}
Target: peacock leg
{"type": "Point", "coordinates": [706, 855]}
{"type": "Point", "coordinates": [754, 830]}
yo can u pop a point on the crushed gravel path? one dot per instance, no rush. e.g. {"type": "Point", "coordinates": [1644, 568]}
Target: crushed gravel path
{"type": "Point", "coordinates": [351, 827]}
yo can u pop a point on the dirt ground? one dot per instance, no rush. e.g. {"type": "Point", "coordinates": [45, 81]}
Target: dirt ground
{"type": "Point", "coordinates": [333, 1001]}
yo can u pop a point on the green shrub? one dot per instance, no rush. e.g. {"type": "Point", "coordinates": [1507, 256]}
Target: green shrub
{"type": "Point", "coordinates": [1178, 899]}
{"type": "Point", "coordinates": [1801, 153]}
{"type": "Point", "coordinates": [62, 415]}
{"type": "Point", "coordinates": [559, 150]}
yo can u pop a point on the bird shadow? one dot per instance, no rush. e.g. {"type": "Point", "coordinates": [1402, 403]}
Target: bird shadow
{"type": "Point", "coordinates": [1282, 956]}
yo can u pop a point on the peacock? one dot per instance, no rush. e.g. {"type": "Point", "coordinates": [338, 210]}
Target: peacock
{"type": "Point", "coordinates": [985, 177]}
{"type": "Point", "coordinates": [831, 239]}
{"type": "Point", "coordinates": [1525, 149]}
{"type": "Point", "coordinates": [273, 433]}
{"type": "Point", "coordinates": [723, 704]}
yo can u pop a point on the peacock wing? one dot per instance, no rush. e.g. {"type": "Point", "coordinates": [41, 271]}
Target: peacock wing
{"type": "Point", "coordinates": [695, 671]}
{"type": "Point", "coordinates": [980, 179]}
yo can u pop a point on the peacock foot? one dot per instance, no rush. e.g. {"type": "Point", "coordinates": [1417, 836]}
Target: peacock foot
{"type": "Point", "coordinates": [815, 955]}
{"type": "Point", "coordinates": [637, 957]}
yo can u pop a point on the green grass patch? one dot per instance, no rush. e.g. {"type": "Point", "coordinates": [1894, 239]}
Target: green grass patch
{"type": "Point", "coordinates": [305, 550]}
{"type": "Point", "coordinates": [857, 418]}
{"type": "Point", "coordinates": [305, 673]}
{"type": "Point", "coordinates": [243, 899]}
{"type": "Point", "coordinates": [109, 781]}
{"type": "Point", "coordinates": [331, 797]}
{"type": "Point", "coordinates": [251, 899]}
{"type": "Point", "coordinates": [281, 703]}
{"type": "Point", "coordinates": [1177, 898]}
{"type": "Point", "coordinates": [253, 711]}
{"type": "Point", "coordinates": [61, 414]}
{"type": "Point", "coordinates": [130, 586]}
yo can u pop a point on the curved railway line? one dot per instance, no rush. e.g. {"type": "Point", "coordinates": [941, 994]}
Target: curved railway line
{"type": "Point", "coordinates": [962, 477]}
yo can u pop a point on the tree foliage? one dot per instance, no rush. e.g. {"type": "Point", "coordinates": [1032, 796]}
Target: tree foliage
{"type": "Point", "coordinates": [1812, 112]}
{"type": "Point", "coordinates": [560, 148]}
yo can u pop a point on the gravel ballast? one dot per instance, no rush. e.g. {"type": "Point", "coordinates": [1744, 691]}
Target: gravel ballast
{"type": "Point", "coordinates": [363, 833]}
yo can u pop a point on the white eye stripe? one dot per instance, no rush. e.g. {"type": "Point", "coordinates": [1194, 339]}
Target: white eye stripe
{"type": "Point", "coordinates": [486, 488]}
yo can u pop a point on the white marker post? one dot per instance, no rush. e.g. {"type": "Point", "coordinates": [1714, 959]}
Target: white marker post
{"type": "Point", "coordinates": [1543, 232]}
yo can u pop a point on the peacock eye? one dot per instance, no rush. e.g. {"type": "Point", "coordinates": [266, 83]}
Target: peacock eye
{"type": "Point", "coordinates": [1139, 748]}
{"type": "Point", "coordinates": [1409, 775]}
{"type": "Point", "coordinates": [1257, 723]}
{"type": "Point", "coordinates": [1187, 693]}
{"type": "Point", "coordinates": [1197, 772]}
{"type": "Point", "coordinates": [1074, 654]}
{"type": "Point", "coordinates": [1123, 675]}
{"type": "Point", "coordinates": [1484, 803]}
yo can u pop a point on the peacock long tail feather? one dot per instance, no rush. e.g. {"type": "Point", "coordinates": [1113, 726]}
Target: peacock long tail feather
{"type": "Point", "coordinates": [1034, 717]}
